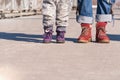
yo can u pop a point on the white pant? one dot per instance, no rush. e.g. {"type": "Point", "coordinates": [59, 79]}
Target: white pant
{"type": "Point", "coordinates": [15, 4]}
{"type": "Point", "coordinates": [25, 4]}
{"type": "Point", "coordinates": [2, 4]}
{"type": "Point", "coordinates": [39, 4]}
{"type": "Point", "coordinates": [10, 4]}
{"type": "Point", "coordinates": [33, 4]}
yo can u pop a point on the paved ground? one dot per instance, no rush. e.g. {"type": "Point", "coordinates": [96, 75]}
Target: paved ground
{"type": "Point", "coordinates": [23, 56]}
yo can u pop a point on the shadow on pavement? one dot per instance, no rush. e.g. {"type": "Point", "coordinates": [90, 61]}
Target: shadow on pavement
{"type": "Point", "coordinates": [117, 18]}
{"type": "Point", "coordinates": [71, 39]}
{"type": "Point", "coordinates": [27, 37]}
{"type": "Point", "coordinates": [20, 37]}
{"type": "Point", "coordinates": [114, 37]}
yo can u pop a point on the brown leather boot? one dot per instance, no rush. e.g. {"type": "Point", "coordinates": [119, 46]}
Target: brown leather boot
{"type": "Point", "coordinates": [101, 35]}
{"type": "Point", "coordinates": [85, 35]}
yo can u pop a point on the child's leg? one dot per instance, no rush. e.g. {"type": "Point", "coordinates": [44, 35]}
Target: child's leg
{"type": "Point", "coordinates": [48, 10]}
{"type": "Point", "coordinates": [62, 13]}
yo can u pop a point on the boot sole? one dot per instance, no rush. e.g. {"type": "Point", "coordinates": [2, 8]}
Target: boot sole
{"type": "Point", "coordinates": [46, 42]}
{"type": "Point", "coordinates": [60, 41]}
{"type": "Point", "coordinates": [84, 41]}
{"type": "Point", "coordinates": [103, 41]}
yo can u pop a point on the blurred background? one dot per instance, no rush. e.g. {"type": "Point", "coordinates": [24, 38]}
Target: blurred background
{"type": "Point", "coordinates": [18, 8]}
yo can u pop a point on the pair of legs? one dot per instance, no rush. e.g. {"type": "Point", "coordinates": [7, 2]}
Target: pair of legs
{"type": "Point", "coordinates": [85, 18]}
{"type": "Point", "coordinates": [25, 5]}
{"type": "Point", "coordinates": [55, 12]}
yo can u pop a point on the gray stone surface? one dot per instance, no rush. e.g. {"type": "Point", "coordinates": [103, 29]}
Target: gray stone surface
{"type": "Point", "coordinates": [23, 56]}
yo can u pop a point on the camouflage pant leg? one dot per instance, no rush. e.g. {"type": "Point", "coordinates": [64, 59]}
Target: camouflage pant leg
{"type": "Point", "coordinates": [62, 13]}
{"type": "Point", "coordinates": [55, 11]}
{"type": "Point", "coordinates": [48, 11]}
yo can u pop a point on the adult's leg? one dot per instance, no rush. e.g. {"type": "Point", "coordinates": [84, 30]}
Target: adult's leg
{"type": "Point", "coordinates": [103, 17]}
{"type": "Point", "coordinates": [85, 11]}
{"type": "Point", "coordinates": [85, 17]}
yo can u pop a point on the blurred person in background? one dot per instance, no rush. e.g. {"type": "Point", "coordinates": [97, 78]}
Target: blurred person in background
{"type": "Point", "coordinates": [15, 6]}
{"type": "Point", "coordinates": [33, 5]}
{"type": "Point", "coordinates": [25, 5]}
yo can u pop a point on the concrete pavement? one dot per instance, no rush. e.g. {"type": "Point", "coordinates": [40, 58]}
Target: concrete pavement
{"type": "Point", "coordinates": [23, 56]}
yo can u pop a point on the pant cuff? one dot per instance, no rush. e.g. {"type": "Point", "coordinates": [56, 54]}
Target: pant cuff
{"type": "Point", "coordinates": [84, 19]}
{"type": "Point", "coordinates": [48, 28]}
{"type": "Point", "coordinates": [61, 28]}
{"type": "Point", "coordinates": [103, 17]}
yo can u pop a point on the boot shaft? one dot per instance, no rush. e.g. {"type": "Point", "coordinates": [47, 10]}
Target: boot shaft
{"type": "Point", "coordinates": [85, 35]}
{"type": "Point", "coordinates": [101, 35]}
{"type": "Point", "coordinates": [60, 37]}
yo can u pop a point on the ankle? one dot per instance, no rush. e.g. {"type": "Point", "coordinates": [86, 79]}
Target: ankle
{"type": "Point", "coordinates": [101, 24]}
{"type": "Point", "coordinates": [86, 25]}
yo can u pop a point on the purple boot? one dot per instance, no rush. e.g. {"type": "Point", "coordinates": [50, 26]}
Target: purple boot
{"type": "Point", "coordinates": [60, 38]}
{"type": "Point", "coordinates": [47, 36]}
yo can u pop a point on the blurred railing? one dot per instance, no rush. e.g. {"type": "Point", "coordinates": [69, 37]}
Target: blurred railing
{"type": "Point", "coordinates": [16, 8]}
